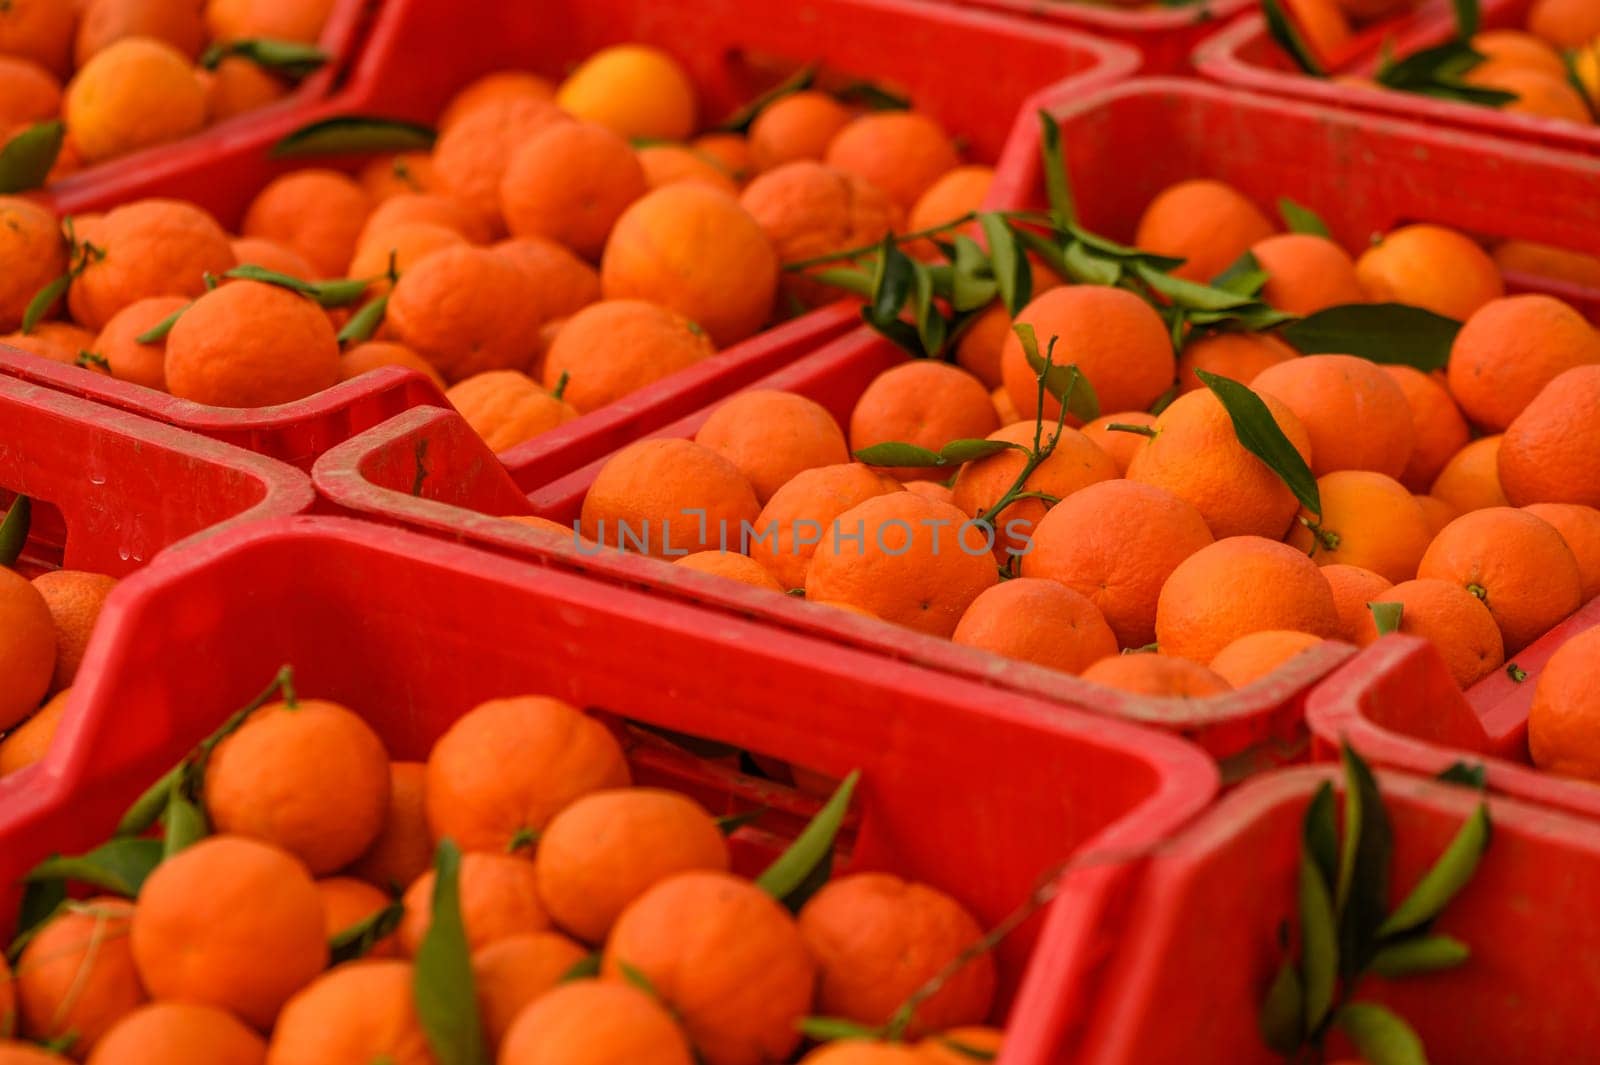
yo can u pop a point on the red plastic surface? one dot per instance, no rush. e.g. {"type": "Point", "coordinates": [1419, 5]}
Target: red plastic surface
{"type": "Point", "coordinates": [1396, 704]}
{"type": "Point", "coordinates": [1165, 36]}
{"type": "Point", "coordinates": [1246, 56]}
{"type": "Point", "coordinates": [1202, 942]}
{"type": "Point", "coordinates": [965, 787]}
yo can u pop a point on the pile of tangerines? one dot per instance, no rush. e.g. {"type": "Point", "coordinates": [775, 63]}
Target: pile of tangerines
{"type": "Point", "coordinates": [588, 920]}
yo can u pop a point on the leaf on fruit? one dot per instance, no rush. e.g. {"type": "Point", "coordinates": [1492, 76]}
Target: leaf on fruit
{"type": "Point", "coordinates": [1259, 434]}
{"type": "Point", "coordinates": [792, 869]}
{"type": "Point", "coordinates": [354, 135]}
{"type": "Point", "coordinates": [1301, 219]}
{"type": "Point", "coordinates": [1394, 333]}
{"type": "Point", "coordinates": [442, 981]}
{"type": "Point", "coordinates": [1387, 616]}
{"type": "Point", "coordinates": [28, 157]}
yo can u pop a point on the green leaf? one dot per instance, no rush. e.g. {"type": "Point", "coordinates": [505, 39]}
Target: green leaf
{"type": "Point", "coordinates": [442, 982]}
{"type": "Point", "coordinates": [957, 452]}
{"type": "Point", "coordinates": [43, 300]}
{"type": "Point", "coordinates": [1065, 384]}
{"type": "Point", "coordinates": [1122, 252]}
{"type": "Point", "coordinates": [1445, 880]}
{"type": "Point", "coordinates": [892, 284]}
{"type": "Point", "coordinates": [1466, 776]}
{"type": "Point", "coordinates": [183, 822]}
{"type": "Point", "coordinates": [834, 1029]}
{"type": "Point", "coordinates": [1244, 278]}
{"type": "Point", "coordinates": [1084, 267]}
{"type": "Point", "coordinates": [1011, 271]}
{"type": "Point", "coordinates": [354, 135]}
{"type": "Point", "coordinates": [635, 976]}
{"type": "Point", "coordinates": [1254, 317]}
{"type": "Point", "coordinates": [1387, 616]}
{"type": "Point", "coordinates": [1319, 942]}
{"type": "Point", "coordinates": [40, 902]}
{"type": "Point", "coordinates": [1423, 954]}
{"type": "Point", "coordinates": [148, 808]}
{"type": "Point", "coordinates": [14, 531]}
{"type": "Point", "coordinates": [364, 323]}
{"type": "Point", "coordinates": [27, 158]}
{"type": "Point", "coordinates": [119, 866]}
{"type": "Point", "coordinates": [1380, 1036]}
{"type": "Point", "coordinates": [337, 293]}
{"type": "Point", "coordinates": [1259, 434]}
{"type": "Point", "coordinates": [1282, 1019]}
{"type": "Point", "coordinates": [972, 282]}
{"type": "Point", "coordinates": [1057, 188]}
{"type": "Point", "coordinates": [728, 824]}
{"type": "Point", "coordinates": [1164, 400]}
{"type": "Point", "coordinates": [290, 59]}
{"type": "Point", "coordinates": [358, 940]}
{"type": "Point", "coordinates": [1319, 833]}
{"type": "Point", "coordinates": [1363, 866]}
{"type": "Point", "coordinates": [1301, 219]}
{"type": "Point", "coordinates": [1189, 294]}
{"type": "Point", "coordinates": [158, 332]}
{"type": "Point", "coordinates": [872, 96]}
{"type": "Point", "coordinates": [1394, 333]}
{"type": "Point", "coordinates": [853, 280]}
{"type": "Point", "coordinates": [1469, 16]}
{"type": "Point", "coordinates": [1288, 37]}
{"type": "Point", "coordinates": [965, 1050]}
{"type": "Point", "coordinates": [811, 848]}
{"type": "Point", "coordinates": [585, 968]}
{"type": "Point", "coordinates": [931, 326]}
{"type": "Point", "coordinates": [741, 120]}
{"type": "Point", "coordinates": [897, 454]}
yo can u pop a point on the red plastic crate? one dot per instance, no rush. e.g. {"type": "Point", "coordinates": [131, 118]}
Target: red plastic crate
{"type": "Point", "coordinates": [110, 491]}
{"type": "Point", "coordinates": [1397, 705]}
{"type": "Point", "coordinates": [974, 790]}
{"type": "Point", "coordinates": [1246, 56]}
{"type": "Point", "coordinates": [1165, 36]}
{"type": "Point", "coordinates": [1201, 945]}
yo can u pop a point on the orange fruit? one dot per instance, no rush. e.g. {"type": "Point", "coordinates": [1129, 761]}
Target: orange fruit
{"type": "Point", "coordinates": [1578, 525]}
{"type": "Point", "coordinates": [1515, 48]}
{"type": "Point", "coordinates": [1437, 512]}
{"type": "Point", "coordinates": [634, 91]}
{"type": "Point", "coordinates": [1357, 416]}
{"type": "Point", "coordinates": [174, 22]}
{"type": "Point", "coordinates": [904, 153]}
{"type": "Point", "coordinates": [959, 192]}
{"type": "Point", "coordinates": [40, 30]}
{"type": "Point", "coordinates": [1353, 588]}
{"type": "Point", "coordinates": [570, 183]}
{"type": "Point", "coordinates": [250, 344]}
{"type": "Point", "coordinates": [1368, 520]}
{"type": "Point", "coordinates": [567, 284]}
{"type": "Point", "coordinates": [169, 1033]}
{"type": "Point", "coordinates": [318, 213]}
{"type": "Point", "coordinates": [1115, 339]}
{"type": "Point", "coordinates": [910, 560]}
{"type": "Point", "coordinates": [273, 779]}
{"type": "Point", "coordinates": [375, 353]}
{"type": "Point", "coordinates": [1537, 92]}
{"type": "Point", "coordinates": [1441, 431]}
{"type": "Point", "coordinates": [1208, 224]}
{"type": "Point", "coordinates": [979, 348]}
{"type": "Point", "coordinates": [798, 126]}
{"type": "Point", "coordinates": [472, 154]}
{"type": "Point", "coordinates": [15, 1053]}
{"type": "Point", "coordinates": [1323, 25]}
{"type": "Point", "coordinates": [136, 93]}
{"type": "Point", "coordinates": [118, 343]}
{"type": "Point", "coordinates": [724, 957]}
{"type": "Point", "coordinates": [404, 245]}
{"type": "Point", "coordinates": [771, 436]}
{"type": "Point", "coordinates": [507, 408]}
{"type": "Point", "coordinates": [668, 498]}
{"type": "Point", "coordinates": [595, 1022]}
{"type": "Point", "coordinates": [273, 256]}
{"type": "Point", "coordinates": [1564, 23]}
{"type": "Point", "coordinates": [466, 310]}
{"type": "Point", "coordinates": [77, 975]}
{"type": "Point", "coordinates": [412, 207]}
{"type": "Point", "coordinates": [1117, 542]}
{"type": "Point", "coordinates": [728, 152]}
{"type": "Point", "coordinates": [28, 743]}
{"type": "Point", "coordinates": [606, 849]}
{"type": "Point", "coordinates": [956, 1046]}
{"type": "Point", "coordinates": [364, 1011]}
{"type": "Point", "coordinates": [34, 254]}
{"type": "Point", "coordinates": [1120, 446]}
{"type": "Point", "coordinates": [229, 922]}
{"type": "Point", "coordinates": [1547, 454]}
{"type": "Point", "coordinates": [1431, 267]}
{"type": "Point", "coordinates": [152, 248]}
{"type": "Point", "coordinates": [1074, 464]}
{"type": "Point", "coordinates": [28, 93]}
{"type": "Point", "coordinates": [792, 522]}
{"type": "Point", "coordinates": [508, 766]}
{"type": "Point", "coordinates": [1561, 722]}
{"type": "Point", "coordinates": [1452, 619]}
{"type": "Point", "coordinates": [617, 346]}
{"type": "Point", "coordinates": [1510, 350]}
{"type": "Point", "coordinates": [398, 174]}
{"type": "Point", "coordinates": [1515, 562]}
{"type": "Point", "coordinates": [1003, 406]}
{"type": "Point", "coordinates": [513, 972]}
{"type": "Point", "coordinates": [665, 164]}
{"type": "Point", "coordinates": [499, 898]}
{"type": "Point", "coordinates": [238, 86]}
{"type": "Point", "coordinates": [1545, 261]}
{"type": "Point", "coordinates": [877, 938]}
{"type": "Point", "coordinates": [283, 20]}
{"type": "Point", "coordinates": [922, 402]}
{"type": "Point", "coordinates": [28, 653]}
{"type": "Point", "coordinates": [1158, 675]}
{"type": "Point", "coordinates": [1257, 654]}
{"type": "Point", "coordinates": [808, 210]}
{"type": "Point", "coordinates": [734, 567]}
{"type": "Point", "coordinates": [860, 1052]}
{"type": "Point", "coordinates": [1237, 586]}
{"type": "Point", "coordinates": [346, 902]}
{"type": "Point", "coordinates": [403, 849]}
{"type": "Point", "coordinates": [1307, 273]}
{"type": "Point", "coordinates": [500, 85]}
{"type": "Point", "coordinates": [1240, 357]}
{"type": "Point", "coordinates": [694, 250]}
{"type": "Point", "coordinates": [1196, 456]}
{"type": "Point", "coordinates": [532, 521]}
{"type": "Point", "coordinates": [1038, 621]}
{"type": "Point", "coordinates": [1471, 479]}
{"type": "Point", "coordinates": [75, 599]}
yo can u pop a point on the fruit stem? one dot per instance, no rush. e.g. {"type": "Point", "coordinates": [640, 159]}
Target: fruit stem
{"type": "Point", "coordinates": [1139, 430]}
